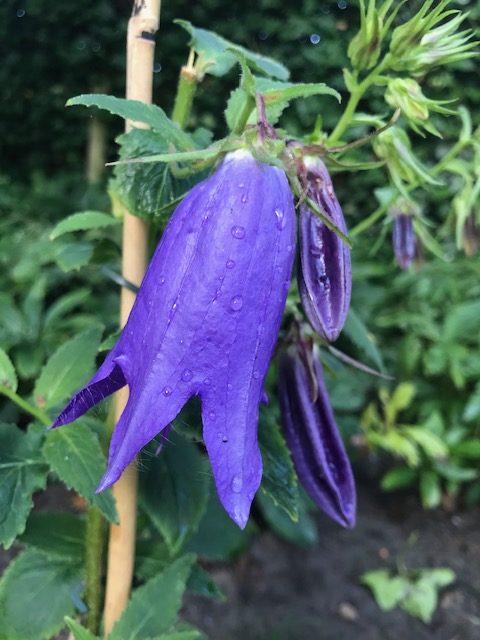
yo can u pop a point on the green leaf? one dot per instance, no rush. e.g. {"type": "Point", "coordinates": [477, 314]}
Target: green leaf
{"type": "Point", "coordinates": [146, 189]}
{"type": "Point", "coordinates": [216, 57]}
{"type": "Point", "coordinates": [218, 537]}
{"type": "Point", "coordinates": [402, 397]}
{"type": "Point", "coordinates": [174, 489]}
{"type": "Point", "coordinates": [22, 471]}
{"type": "Point", "coordinates": [68, 368]}
{"type": "Point", "coordinates": [398, 478]}
{"type": "Point", "coordinates": [303, 532]}
{"type": "Point", "coordinates": [153, 608]}
{"type": "Point", "coordinates": [279, 479]}
{"type": "Point", "coordinates": [388, 591]}
{"type": "Point", "coordinates": [63, 305]}
{"type": "Point", "coordinates": [74, 255]}
{"type": "Point", "coordinates": [235, 105]}
{"type": "Point", "coordinates": [430, 491]}
{"type": "Point", "coordinates": [56, 534]}
{"type": "Point", "coordinates": [452, 472]}
{"type": "Point", "coordinates": [201, 583]}
{"type": "Point", "coordinates": [83, 221]}
{"type": "Point", "coordinates": [36, 593]}
{"type": "Point", "coordinates": [432, 445]}
{"type": "Point", "coordinates": [137, 111]}
{"type": "Point", "coordinates": [422, 597]}
{"type": "Point", "coordinates": [357, 332]}
{"type": "Point", "coordinates": [74, 454]}
{"type": "Point", "coordinates": [79, 632]}
{"type": "Point", "coordinates": [8, 377]}
{"type": "Point", "coordinates": [467, 449]}
{"type": "Point", "coordinates": [276, 92]}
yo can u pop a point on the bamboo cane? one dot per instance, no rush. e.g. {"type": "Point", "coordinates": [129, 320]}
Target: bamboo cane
{"type": "Point", "coordinates": [142, 27]}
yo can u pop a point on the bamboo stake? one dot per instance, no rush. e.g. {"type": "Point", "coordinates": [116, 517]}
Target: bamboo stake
{"type": "Point", "coordinates": [142, 27]}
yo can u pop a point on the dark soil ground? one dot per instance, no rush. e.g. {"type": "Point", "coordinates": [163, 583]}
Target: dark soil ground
{"type": "Point", "coordinates": [277, 591]}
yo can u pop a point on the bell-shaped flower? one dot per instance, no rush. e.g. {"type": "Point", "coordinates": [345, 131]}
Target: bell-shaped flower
{"type": "Point", "coordinates": [403, 239]}
{"type": "Point", "coordinates": [325, 271]}
{"type": "Point", "coordinates": [312, 435]}
{"type": "Point", "coordinates": [204, 323]}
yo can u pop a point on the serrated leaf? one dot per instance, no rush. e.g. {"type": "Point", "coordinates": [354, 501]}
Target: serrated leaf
{"type": "Point", "coordinates": [68, 368]}
{"type": "Point", "coordinates": [278, 92]}
{"type": "Point", "coordinates": [433, 446]}
{"type": "Point", "coordinates": [22, 471]}
{"type": "Point", "coordinates": [357, 332]}
{"type": "Point", "coordinates": [74, 454]}
{"type": "Point", "coordinates": [36, 593]}
{"type": "Point", "coordinates": [8, 377]}
{"type": "Point", "coordinates": [201, 583]}
{"type": "Point", "coordinates": [83, 221]}
{"type": "Point", "coordinates": [64, 305]}
{"type": "Point", "coordinates": [303, 532]}
{"type": "Point", "coordinates": [147, 188]}
{"type": "Point", "coordinates": [153, 608]}
{"type": "Point", "coordinates": [79, 632]}
{"type": "Point", "coordinates": [56, 534]}
{"type": "Point", "coordinates": [236, 102]}
{"type": "Point", "coordinates": [279, 479]}
{"type": "Point", "coordinates": [217, 60]}
{"type": "Point", "coordinates": [137, 111]}
{"type": "Point", "coordinates": [174, 490]}
{"type": "Point", "coordinates": [74, 255]}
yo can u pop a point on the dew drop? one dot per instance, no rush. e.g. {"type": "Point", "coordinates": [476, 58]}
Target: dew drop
{"type": "Point", "coordinates": [256, 375]}
{"type": "Point", "coordinates": [238, 232]}
{"type": "Point", "coordinates": [241, 185]}
{"type": "Point", "coordinates": [230, 264]}
{"type": "Point", "coordinates": [161, 281]}
{"type": "Point", "coordinates": [224, 439]}
{"type": "Point", "coordinates": [212, 415]}
{"type": "Point", "coordinates": [167, 391]}
{"type": "Point", "coordinates": [20, 13]}
{"type": "Point", "coordinates": [229, 386]}
{"type": "Point", "coordinates": [236, 303]}
{"type": "Point", "coordinates": [187, 375]}
{"type": "Point", "coordinates": [236, 484]}
{"type": "Point", "coordinates": [206, 381]}
{"type": "Point", "coordinates": [315, 38]}
{"type": "Point", "coordinates": [244, 198]}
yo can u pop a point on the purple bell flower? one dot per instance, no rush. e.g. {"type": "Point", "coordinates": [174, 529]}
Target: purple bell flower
{"type": "Point", "coordinates": [325, 270]}
{"type": "Point", "coordinates": [403, 238]}
{"type": "Point", "coordinates": [205, 322]}
{"type": "Point", "coordinates": [312, 436]}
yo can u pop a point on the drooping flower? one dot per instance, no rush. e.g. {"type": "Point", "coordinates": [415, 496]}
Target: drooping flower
{"type": "Point", "coordinates": [205, 322]}
{"type": "Point", "coordinates": [312, 435]}
{"type": "Point", "coordinates": [403, 239]}
{"type": "Point", "coordinates": [325, 272]}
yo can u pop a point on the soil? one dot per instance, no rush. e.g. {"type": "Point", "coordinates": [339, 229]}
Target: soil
{"type": "Point", "coordinates": [279, 591]}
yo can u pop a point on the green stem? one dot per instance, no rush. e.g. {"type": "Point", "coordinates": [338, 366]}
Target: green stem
{"type": "Point", "coordinates": [382, 209]}
{"type": "Point", "coordinates": [355, 97]}
{"type": "Point", "coordinates": [95, 544]}
{"type": "Point", "coordinates": [187, 85]}
{"type": "Point", "coordinates": [26, 406]}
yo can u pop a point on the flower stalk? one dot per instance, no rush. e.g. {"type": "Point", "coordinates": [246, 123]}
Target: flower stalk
{"type": "Point", "coordinates": [187, 86]}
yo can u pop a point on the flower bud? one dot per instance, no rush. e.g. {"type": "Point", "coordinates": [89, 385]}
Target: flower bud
{"type": "Point", "coordinates": [312, 436]}
{"type": "Point", "coordinates": [403, 238]}
{"type": "Point", "coordinates": [324, 271]}
{"type": "Point", "coordinates": [364, 49]}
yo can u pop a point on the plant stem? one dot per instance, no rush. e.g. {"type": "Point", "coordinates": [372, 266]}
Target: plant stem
{"type": "Point", "coordinates": [355, 96]}
{"type": "Point", "coordinates": [143, 24]}
{"type": "Point", "coordinates": [95, 539]}
{"type": "Point", "coordinates": [26, 406]}
{"type": "Point", "coordinates": [242, 119]}
{"type": "Point", "coordinates": [382, 209]}
{"type": "Point", "coordinates": [187, 85]}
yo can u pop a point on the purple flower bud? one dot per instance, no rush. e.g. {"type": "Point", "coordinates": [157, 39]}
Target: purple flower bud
{"type": "Point", "coordinates": [403, 238]}
{"type": "Point", "coordinates": [205, 322]}
{"type": "Point", "coordinates": [325, 271]}
{"type": "Point", "coordinates": [317, 449]}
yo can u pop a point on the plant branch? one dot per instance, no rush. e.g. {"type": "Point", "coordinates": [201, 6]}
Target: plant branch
{"type": "Point", "coordinates": [26, 406]}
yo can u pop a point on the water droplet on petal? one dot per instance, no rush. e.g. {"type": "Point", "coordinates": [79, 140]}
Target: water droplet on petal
{"type": "Point", "coordinates": [241, 185]}
{"type": "Point", "coordinates": [167, 391]}
{"type": "Point", "coordinates": [244, 198]}
{"type": "Point", "coordinates": [224, 439]}
{"type": "Point", "coordinates": [230, 264]}
{"type": "Point", "coordinates": [238, 232]}
{"type": "Point", "coordinates": [206, 381]}
{"type": "Point", "coordinates": [281, 219]}
{"type": "Point", "coordinates": [256, 375]}
{"type": "Point", "coordinates": [236, 303]}
{"type": "Point", "coordinates": [229, 386]}
{"type": "Point", "coordinates": [187, 375]}
{"type": "Point", "coordinates": [212, 415]}
{"type": "Point", "coordinates": [161, 280]}
{"type": "Point", "coordinates": [236, 484]}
